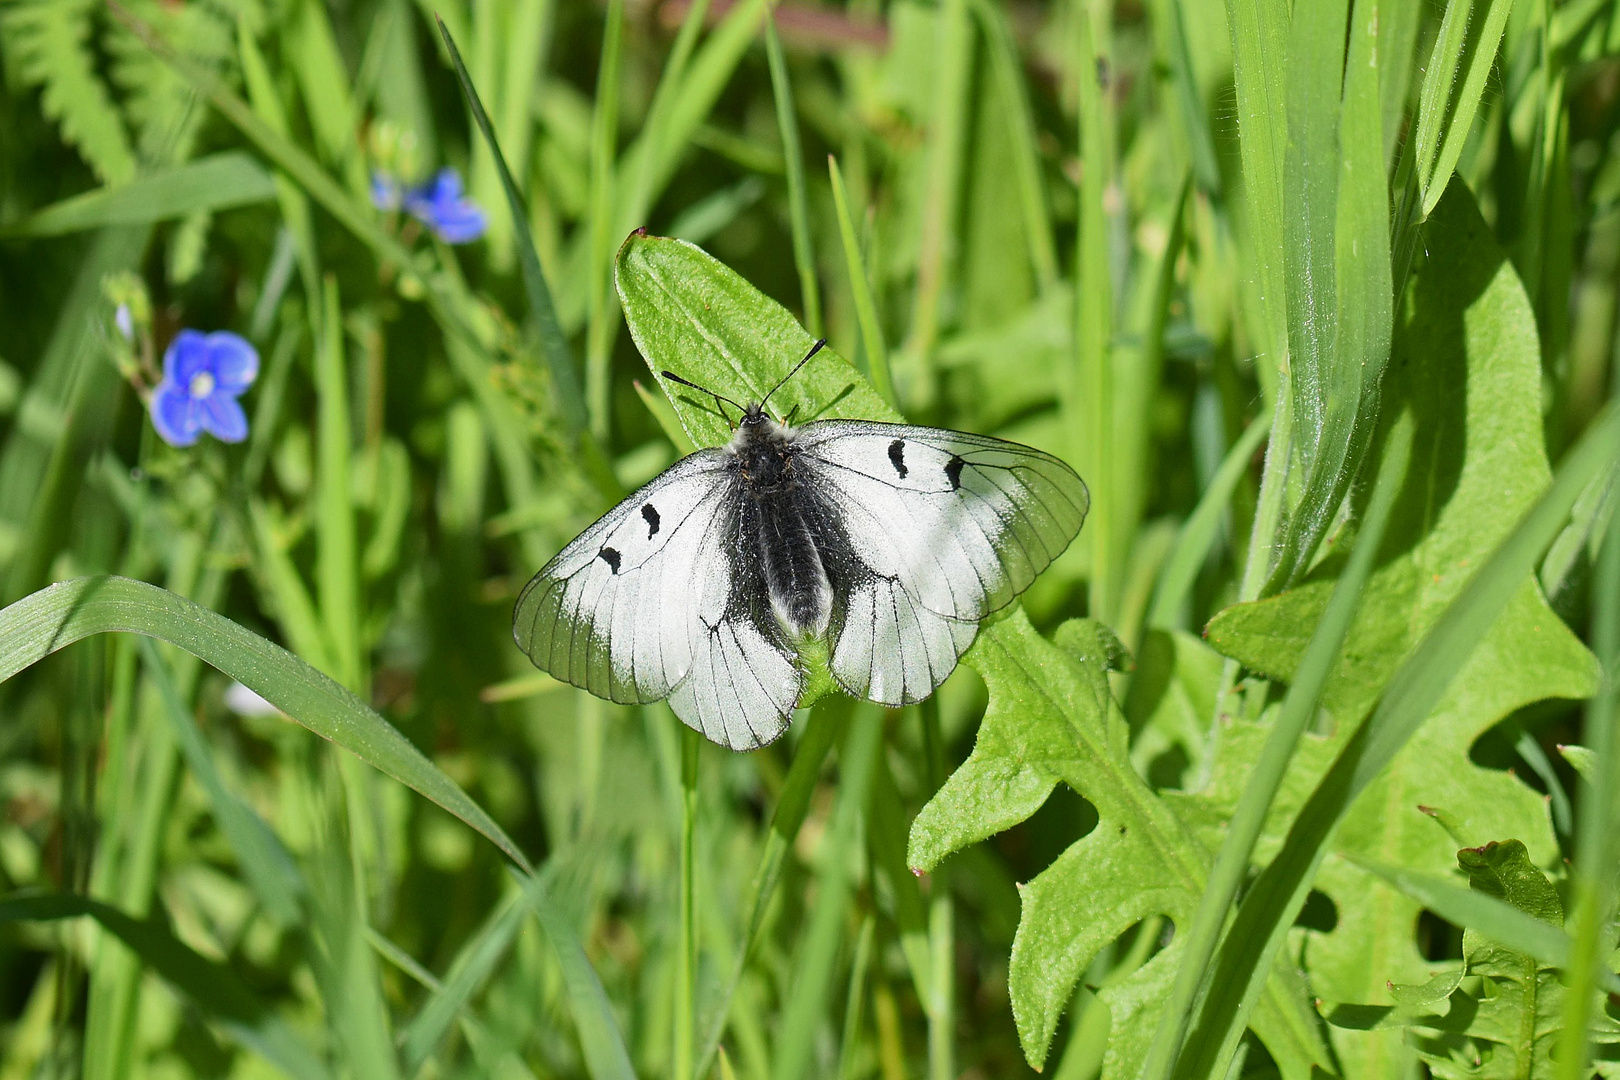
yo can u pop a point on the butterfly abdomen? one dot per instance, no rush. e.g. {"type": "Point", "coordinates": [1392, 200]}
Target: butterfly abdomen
{"type": "Point", "coordinates": [779, 528]}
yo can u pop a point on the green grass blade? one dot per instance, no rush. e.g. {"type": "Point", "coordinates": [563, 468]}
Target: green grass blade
{"type": "Point", "coordinates": [947, 137]}
{"type": "Point", "coordinates": [686, 953]}
{"type": "Point", "coordinates": [1007, 71]}
{"type": "Point", "coordinates": [1260, 789]}
{"type": "Point", "coordinates": [1198, 532]}
{"type": "Point", "coordinates": [855, 999]}
{"type": "Point", "coordinates": [56, 617]}
{"type": "Point", "coordinates": [1092, 391]}
{"type": "Point", "coordinates": [792, 805]}
{"type": "Point", "coordinates": [1269, 908]}
{"type": "Point", "coordinates": [211, 987]}
{"type": "Point", "coordinates": [336, 570]}
{"type": "Point", "coordinates": [600, 329]}
{"type": "Point", "coordinates": [1339, 397]}
{"type": "Point", "coordinates": [1482, 46]}
{"type": "Point", "coordinates": [817, 954]}
{"type": "Point", "coordinates": [671, 84]}
{"type": "Point", "coordinates": [1438, 81]}
{"type": "Point", "coordinates": [787, 122]}
{"type": "Point", "coordinates": [860, 286]}
{"type": "Point", "coordinates": [553, 344]}
{"type": "Point", "coordinates": [216, 182]}
{"type": "Point", "coordinates": [1596, 852]}
{"type": "Point", "coordinates": [599, 1037]}
{"type": "Point", "coordinates": [264, 862]}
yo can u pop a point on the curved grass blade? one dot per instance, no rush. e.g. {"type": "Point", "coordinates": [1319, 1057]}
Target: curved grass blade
{"type": "Point", "coordinates": [212, 988]}
{"type": "Point", "coordinates": [57, 616]}
{"type": "Point", "coordinates": [216, 182]}
{"type": "Point", "coordinates": [860, 286]}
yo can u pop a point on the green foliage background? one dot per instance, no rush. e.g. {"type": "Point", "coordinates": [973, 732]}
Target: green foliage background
{"type": "Point", "coordinates": [1299, 763]}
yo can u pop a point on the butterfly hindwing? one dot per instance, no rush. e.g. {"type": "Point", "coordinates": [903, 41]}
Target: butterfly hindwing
{"type": "Point", "coordinates": [942, 529]}
{"type": "Point", "coordinates": [653, 602]}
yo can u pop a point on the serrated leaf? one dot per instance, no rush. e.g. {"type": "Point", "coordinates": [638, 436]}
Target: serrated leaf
{"type": "Point", "coordinates": [1477, 467]}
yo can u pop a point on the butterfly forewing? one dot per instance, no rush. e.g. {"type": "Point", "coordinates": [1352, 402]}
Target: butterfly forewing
{"type": "Point", "coordinates": [943, 528]}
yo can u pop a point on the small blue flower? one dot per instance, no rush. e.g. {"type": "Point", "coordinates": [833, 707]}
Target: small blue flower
{"type": "Point", "coordinates": [440, 205]}
{"type": "Point", "coordinates": [125, 322]}
{"type": "Point", "coordinates": [203, 375]}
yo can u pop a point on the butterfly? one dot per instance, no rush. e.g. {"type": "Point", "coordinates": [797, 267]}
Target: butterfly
{"type": "Point", "coordinates": [886, 544]}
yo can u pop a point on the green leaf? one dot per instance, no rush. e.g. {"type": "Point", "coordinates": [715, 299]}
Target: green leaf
{"type": "Point", "coordinates": [55, 617]}
{"type": "Point", "coordinates": [1452, 633]}
{"type": "Point", "coordinates": [211, 987]}
{"type": "Point", "coordinates": [692, 315]}
{"type": "Point", "coordinates": [217, 182]}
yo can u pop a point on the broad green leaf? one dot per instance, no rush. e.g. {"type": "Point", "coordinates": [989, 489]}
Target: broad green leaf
{"type": "Point", "coordinates": [211, 987]}
{"type": "Point", "coordinates": [1468, 519]}
{"type": "Point", "coordinates": [1049, 720]}
{"type": "Point", "coordinates": [217, 182]}
{"type": "Point", "coordinates": [692, 315]}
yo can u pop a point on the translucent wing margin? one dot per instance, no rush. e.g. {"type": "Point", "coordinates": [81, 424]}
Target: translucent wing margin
{"type": "Point", "coordinates": [942, 529]}
{"type": "Point", "coordinates": [651, 603]}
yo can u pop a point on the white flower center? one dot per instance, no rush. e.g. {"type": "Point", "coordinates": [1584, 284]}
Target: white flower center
{"type": "Point", "coordinates": [202, 384]}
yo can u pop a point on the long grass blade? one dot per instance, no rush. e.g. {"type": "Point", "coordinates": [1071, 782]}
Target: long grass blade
{"type": "Point", "coordinates": [1597, 851]}
{"type": "Point", "coordinates": [787, 122]}
{"type": "Point", "coordinates": [860, 286]}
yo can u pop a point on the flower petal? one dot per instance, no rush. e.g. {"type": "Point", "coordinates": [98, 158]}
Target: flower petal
{"type": "Point", "coordinates": [223, 418]}
{"type": "Point", "coordinates": [460, 223]}
{"type": "Point", "coordinates": [175, 414]}
{"type": "Point", "coordinates": [235, 363]}
{"type": "Point", "coordinates": [186, 356]}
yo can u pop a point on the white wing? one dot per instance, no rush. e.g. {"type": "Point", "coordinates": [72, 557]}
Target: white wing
{"type": "Point", "coordinates": [943, 528]}
{"type": "Point", "coordinates": [651, 602]}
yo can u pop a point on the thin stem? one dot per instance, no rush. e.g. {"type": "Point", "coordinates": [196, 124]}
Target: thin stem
{"type": "Point", "coordinates": [686, 960]}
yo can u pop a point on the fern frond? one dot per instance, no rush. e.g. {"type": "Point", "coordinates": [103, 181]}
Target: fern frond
{"type": "Point", "coordinates": [48, 41]}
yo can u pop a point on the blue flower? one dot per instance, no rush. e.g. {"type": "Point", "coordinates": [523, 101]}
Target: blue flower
{"type": "Point", "coordinates": [440, 205]}
{"type": "Point", "coordinates": [203, 375]}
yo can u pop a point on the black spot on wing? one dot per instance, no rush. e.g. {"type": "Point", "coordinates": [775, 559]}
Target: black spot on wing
{"type": "Point", "coordinates": [897, 457]}
{"type": "Point", "coordinates": [953, 471]}
{"type": "Point", "coordinates": [650, 515]}
{"type": "Point", "coordinates": [611, 557]}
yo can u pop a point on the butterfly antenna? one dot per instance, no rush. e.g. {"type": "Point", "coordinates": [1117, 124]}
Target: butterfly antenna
{"type": "Point", "coordinates": [813, 350]}
{"type": "Point", "coordinates": [718, 398]}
